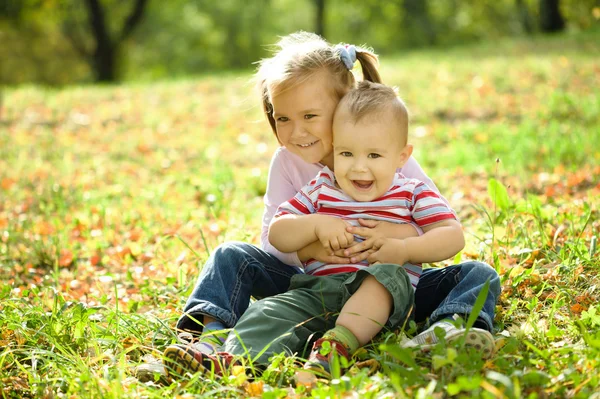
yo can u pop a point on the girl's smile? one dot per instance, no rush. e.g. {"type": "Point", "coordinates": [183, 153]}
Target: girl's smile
{"type": "Point", "coordinates": [307, 145]}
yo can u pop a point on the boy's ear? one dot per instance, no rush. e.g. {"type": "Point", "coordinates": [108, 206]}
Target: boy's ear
{"type": "Point", "coordinates": [405, 154]}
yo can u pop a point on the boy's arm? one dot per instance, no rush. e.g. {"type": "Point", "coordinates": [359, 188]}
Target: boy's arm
{"type": "Point", "coordinates": [440, 241]}
{"type": "Point", "coordinates": [442, 233]}
{"type": "Point", "coordinates": [289, 233]}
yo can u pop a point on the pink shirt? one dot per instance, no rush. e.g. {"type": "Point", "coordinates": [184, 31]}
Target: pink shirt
{"type": "Point", "coordinates": [288, 173]}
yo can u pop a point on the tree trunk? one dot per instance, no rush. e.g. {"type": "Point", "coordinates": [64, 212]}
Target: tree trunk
{"type": "Point", "coordinates": [104, 55]}
{"type": "Point", "coordinates": [524, 17]}
{"type": "Point", "coordinates": [551, 19]}
{"type": "Point", "coordinates": [418, 22]}
{"type": "Point", "coordinates": [320, 18]}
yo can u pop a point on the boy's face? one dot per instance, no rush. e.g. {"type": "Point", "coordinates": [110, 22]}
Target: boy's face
{"type": "Point", "coordinates": [304, 116]}
{"type": "Point", "coordinates": [367, 154]}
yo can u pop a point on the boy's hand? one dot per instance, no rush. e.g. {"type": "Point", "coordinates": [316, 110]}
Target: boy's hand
{"type": "Point", "coordinates": [373, 230]}
{"type": "Point", "coordinates": [388, 250]}
{"type": "Point", "coordinates": [332, 234]}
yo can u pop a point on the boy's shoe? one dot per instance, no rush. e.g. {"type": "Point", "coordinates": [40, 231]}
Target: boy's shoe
{"type": "Point", "coordinates": [477, 338]}
{"type": "Point", "coordinates": [322, 363]}
{"type": "Point", "coordinates": [182, 359]}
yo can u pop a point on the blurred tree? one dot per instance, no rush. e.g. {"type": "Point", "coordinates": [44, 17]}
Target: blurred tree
{"type": "Point", "coordinates": [551, 19]}
{"type": "Point", "coordinates": [95, 30]}
{"type": "Point", "coordinates": [320, 17]}
{"type": "Point", "coordinates": [524, 16]}
{"type": "Point", "coordinates": [103, 56]}
{"type": "Point", "coordinates": [416, 19]}
{"type": "Point", "coordinates": [75, 41]}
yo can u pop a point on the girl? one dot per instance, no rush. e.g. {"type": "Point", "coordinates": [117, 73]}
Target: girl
{"type": "Point", "coordinates": [316, 75]}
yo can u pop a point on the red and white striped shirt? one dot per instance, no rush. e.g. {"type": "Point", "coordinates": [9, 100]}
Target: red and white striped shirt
{"type": "Point", "coordinates": [407, 201]}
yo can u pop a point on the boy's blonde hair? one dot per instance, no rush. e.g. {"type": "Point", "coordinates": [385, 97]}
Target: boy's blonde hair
{"type": "Point", "coordinates": [299, 56]}
{"type": "Point", "coordinates": [375, 100]}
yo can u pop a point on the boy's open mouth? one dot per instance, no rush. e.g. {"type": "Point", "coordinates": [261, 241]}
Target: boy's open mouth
{"type": "Point", "coordinates": [362, 184]}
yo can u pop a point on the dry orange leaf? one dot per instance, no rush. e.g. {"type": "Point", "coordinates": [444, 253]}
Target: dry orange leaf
{"type": "Point", "coordinates": [577, 308]}
{"type": "Point", "coordinates": [44, 228]}
{"type": "Point", "coordinates": [66, 258]}
{"type": "Point", "coordinates": [7, 183]}
{"type": "Point", "coordinates": [94, 259]}
{"type": "Point", "coordinates": [255, 389]}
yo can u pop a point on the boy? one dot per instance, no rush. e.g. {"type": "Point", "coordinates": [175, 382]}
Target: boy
{"type": "Point", "coordinates": [370, 143]}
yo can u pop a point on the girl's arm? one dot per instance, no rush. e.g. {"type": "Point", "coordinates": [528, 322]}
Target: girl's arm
{"type": "Point", "coordinates": [287, 175]}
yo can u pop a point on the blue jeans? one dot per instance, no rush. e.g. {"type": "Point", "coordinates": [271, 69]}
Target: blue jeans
{"type": "Point", "coordinates": [236, 271]}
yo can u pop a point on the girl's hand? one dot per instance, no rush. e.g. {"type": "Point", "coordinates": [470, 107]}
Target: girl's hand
{"type": "Point", "coordinates": [316, 251]}
{"type": "Point", "coordinates": [332, 234]}
{"type": "Point", "coordinates": [388, 250]}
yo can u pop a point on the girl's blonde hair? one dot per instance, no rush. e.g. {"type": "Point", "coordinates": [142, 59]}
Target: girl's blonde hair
{"type": "Point", "coordinates": [299, 56]}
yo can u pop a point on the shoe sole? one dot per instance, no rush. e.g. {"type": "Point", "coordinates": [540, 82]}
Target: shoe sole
{"type": "Point", "coordinates": [146, 373]}
{"type": "Point", "coordinates": [180, 359]}
{"type": "Point", "coordinates": [476, 338]}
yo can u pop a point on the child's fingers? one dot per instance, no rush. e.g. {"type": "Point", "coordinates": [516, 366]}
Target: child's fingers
{"type": "Point", "coordinates": [349, 239]}
{"type": "Point", "coordinates": [365, 232]}
{"type": "Point", "coordinates": [336, 259]}
{"type": "Point", "coordinates": [326, 246]}
{"type": "Point", "coordinates": [373, 257]}
{"type": "Point", "coordinates": [361, 256]}
{"type": "Point", "coordinates": [358, 248]}
{"type": "Point", "coordinates": [368, 223]}
{"type": "Point", "coordinates": [340, 254]}
{"type": "Point", "coordinates": [335, 244]}
{"type": "Point", "coordinates": [343, 241]}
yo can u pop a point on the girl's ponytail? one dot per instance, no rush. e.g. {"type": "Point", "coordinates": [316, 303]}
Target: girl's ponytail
{"type": "Point", "coordinates": [368, 63]}
{"type": "Point", "coordinates": [349, 54]}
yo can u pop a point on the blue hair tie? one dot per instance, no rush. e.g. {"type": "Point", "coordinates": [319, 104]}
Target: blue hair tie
{"type": "Point", "coordinates": [347, 55]}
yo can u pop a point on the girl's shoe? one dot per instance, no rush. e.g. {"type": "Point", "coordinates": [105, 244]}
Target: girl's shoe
{"type": "Point", "coordinates": [477, 338]}
{"type": "Point", "coordinates": [205, 343]}
{"type": "Point", "coordinates": [181, 359]}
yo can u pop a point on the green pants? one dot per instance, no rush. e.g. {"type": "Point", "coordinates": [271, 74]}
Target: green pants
{"type": "Point", "coordinates": [288, 322]}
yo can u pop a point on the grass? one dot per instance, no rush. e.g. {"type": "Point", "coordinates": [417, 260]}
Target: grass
{"type": "Point", "coordinates": [113, 197]}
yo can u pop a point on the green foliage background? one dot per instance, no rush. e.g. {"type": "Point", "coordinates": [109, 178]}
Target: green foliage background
{"type": "Point", "coordinates": [183, 37]}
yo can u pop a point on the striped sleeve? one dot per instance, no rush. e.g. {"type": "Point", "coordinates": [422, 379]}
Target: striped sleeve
{"type": "Point", "coordinates": [305, 202]}
{"type": "Point", "coordinates": [429, 207]}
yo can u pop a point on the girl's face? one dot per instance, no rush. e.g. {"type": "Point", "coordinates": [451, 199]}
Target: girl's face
{"type": "Point", "coordinates": [304, 117]}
